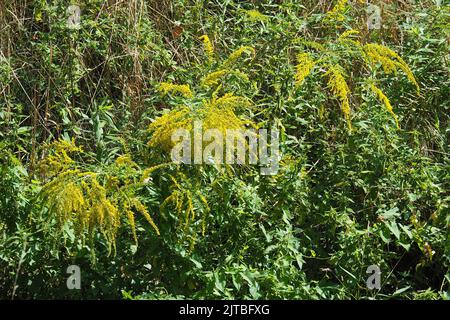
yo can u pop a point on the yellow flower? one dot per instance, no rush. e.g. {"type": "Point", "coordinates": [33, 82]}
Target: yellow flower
{"type": "Point", "coordinates": [214, 77]}
{"type": "Point", "coordinates": [59, 158]}
{"type": "Point", "coordinates": [385, 101]}
{"type": "Point", "coordinates": [348, 33]}
{"type": "Point", "coordinates": [310, 44]}
{"type": "Point", "coordinates": [237, 54]}
{"type": "Point", "coordinates": [81, 200]}
{"type": "Point", "coordinates": [163, 127]}
{"type": "Point", "coordinates": [182, 89]}
{"type": "Point", "coordinates": [304, 68]}
{"type": "Point", "coordinates": [336, 14]}
{"type": "Point", "coordinates": [126, 161]}
{"type": "Point", "coordinates": [208, 47]}
{"type": "Point", "coordinates": [143, 210]}
{"type": "Point", "coordinates": [216, 113]}
{"type": "Point", "coordinates": [389, 60]}
{"type": "Point", "coordinates": [339, 88]}
{"type": "Point", "coordinates": [345, 39]}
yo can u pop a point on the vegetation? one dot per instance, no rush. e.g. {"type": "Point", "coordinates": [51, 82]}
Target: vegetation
{"type": "Point", "coordinates": [87, 112]}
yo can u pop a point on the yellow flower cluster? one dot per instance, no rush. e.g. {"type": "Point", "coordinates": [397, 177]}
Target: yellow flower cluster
{"type": "Point", "coordinates": [237, 54]}
{"type": "Point", "coordinates": [143, 210]}
{"type": "Point", "coordinates": [183, 89]}
{"type": "Point", "coordinates": [215, 77]}
{"type": "Point", "coordinates": [385, 101]}
{"type": "Point", "coordinates": [348, 33]}
{"type": "Point", "coordinates": [310, 44]}
{"type": "Point", "coordinates": [125, 161]}
{"type": "Point", "coordinates": [59, 159]}
{"type": "Point", "coordinates": [389, 60]}
{"type": "Point", "coordinates": [140, 208]}
{"type": "Point", "coordinates": [184, 202]}
{"type": "Point", "coordinates": [78, 198]}
{"type": "Point", "coordinates": [345, 39]}
{"type": "Point", "coordinates": [304, 68]}
{"type": "Point", "coordinates": [370, 54]}
{"type": "Point", "coordinates": [217, 113]}
{"type": "Point", "coordinates": [163, 127]}
{"type": "Point", "coordinates": [208, 47]}
{"type": "Point", "coordinates": [336, 14]}
{"type": "Point", "coordinates": [340, 89]}
{"type": "Point", "coordinates": [147, 172]}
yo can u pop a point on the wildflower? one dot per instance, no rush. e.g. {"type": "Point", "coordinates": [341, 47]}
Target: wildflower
{"type": "Point", "coordinates": [311, 44]}
{"type": "Point", "coordinates": [216, 113]}
{"type": "Point", "coordinates": [339, 88]}
{"type": "Point", "coordinates": [336, 14]}
{"type": "Point", "coordinates": [82, 200]}
{"type": "Point", "coordinates": [163, 127]}
{"type": "Point", "coordinates": [304, 68]}
{"type": "Point", "coordinates": [345, 39]}
{"type": "Point", "coordinates": [348, 33]}
{"type": "Point", "coordinates": [389, 60]}
{"type": "Point", "coordinates": [208, 47]}
{"type": "Point", "coordinates": [385, 101]}
{"type": "Point", "coordinates": [143, 210]}
{"type": "Point", "coordinates": [59, 158]}
{"type": "Point", "coordinates": [237, 54]}
{"type": "Point", "coordinates": [125, 161]}
{"type": "Point", "coordinates": [214, 77]}
{"type": "Point", "coordinates": [182, 89]}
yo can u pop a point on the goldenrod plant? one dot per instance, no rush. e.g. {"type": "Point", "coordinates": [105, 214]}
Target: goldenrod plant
{"type": "Point", "coordinates": [328, 57]}
{"type": "Point", "coordinates": [91, 201]}
{"type": "Point", "coordinates": [214, 109]}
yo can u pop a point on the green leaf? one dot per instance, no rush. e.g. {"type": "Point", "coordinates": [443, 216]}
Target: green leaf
{"type": "Point", "coordinates": [400, 291]}
{"type": "Point", "coordinates": [393, 227]}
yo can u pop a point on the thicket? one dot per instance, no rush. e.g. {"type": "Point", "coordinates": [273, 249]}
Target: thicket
{"type": "Point", "coordinates": [86, 116]}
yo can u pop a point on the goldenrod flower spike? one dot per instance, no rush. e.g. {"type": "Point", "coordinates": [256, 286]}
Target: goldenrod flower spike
{"type": "Point", "coordinates": [88, 203]}
{"type": "Point", "coordinates": [339, 88]}
{"type": "Point", "coordinates": [385, 101]}
{"type": "Point", "coordinates": [237, 54]}
{"type": "Point", "coordinates": [216, 113]}
{"type": "Point", "coordinates": [304, 68]}
{"type": "Point", "coordinates": [348, 33]}
{"type": "Point", "coordinates": [336, 14]}
{"type": "Point", "coordinates": [214, 77]}
{"type": "Point", "coordinates": [389, 60]}
{"type": "Point", "coordinates": [208, 47]}
{"type": "Point", "coordinates": [183, 89]}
